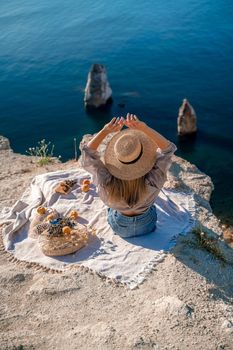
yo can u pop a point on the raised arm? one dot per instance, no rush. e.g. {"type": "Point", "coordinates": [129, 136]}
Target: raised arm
{"type": "Point", "coordinates": [134, 123]}
{"type": "Point", "coordinates": [158, 174]}
{"type": "Point", "coordinates": [113, 126]}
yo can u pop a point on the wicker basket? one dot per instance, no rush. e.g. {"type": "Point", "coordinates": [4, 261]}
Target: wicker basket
{"type": "Point", "coordinates": [63, 244]}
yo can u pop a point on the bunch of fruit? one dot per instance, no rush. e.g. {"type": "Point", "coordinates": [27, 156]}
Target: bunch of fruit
{"type": "Point", "coordinates": [67, 185]}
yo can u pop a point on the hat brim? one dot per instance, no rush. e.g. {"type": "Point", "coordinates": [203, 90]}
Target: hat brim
{"type": "Point", "coordinates": [133, 170]}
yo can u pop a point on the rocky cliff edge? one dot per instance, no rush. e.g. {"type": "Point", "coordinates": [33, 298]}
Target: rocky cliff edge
{"type": "Point", "coordinates": [187, 302]}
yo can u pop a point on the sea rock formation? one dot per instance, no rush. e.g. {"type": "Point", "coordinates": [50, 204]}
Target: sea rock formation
{"type": "Point", "coordinates": [98, 91]}
{"type": "Point", "coordinates": [187, 119]}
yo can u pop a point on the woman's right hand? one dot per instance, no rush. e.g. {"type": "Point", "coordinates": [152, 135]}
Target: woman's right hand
{"type": "Point", "coordinates": [133, 122]}
{"type": "Point", "coordinates": [116, 124]}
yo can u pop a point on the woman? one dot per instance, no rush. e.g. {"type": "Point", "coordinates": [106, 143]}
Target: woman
{"type": "Point", "coordinates": [130, 176]}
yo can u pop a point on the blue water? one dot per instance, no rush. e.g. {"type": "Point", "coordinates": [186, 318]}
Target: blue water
{"type": "Point", "coordinates": [156, 51]}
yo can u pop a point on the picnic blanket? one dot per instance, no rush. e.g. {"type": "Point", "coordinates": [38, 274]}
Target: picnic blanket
{"type": "Point", "coordinates": [127, 261]}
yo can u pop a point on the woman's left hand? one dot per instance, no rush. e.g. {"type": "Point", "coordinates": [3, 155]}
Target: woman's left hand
{"type": "Point", "coordinates": [116, 124]}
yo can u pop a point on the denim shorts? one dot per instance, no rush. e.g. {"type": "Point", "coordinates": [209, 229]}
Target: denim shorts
{"type": "Point", "coordinates": [131, 226]}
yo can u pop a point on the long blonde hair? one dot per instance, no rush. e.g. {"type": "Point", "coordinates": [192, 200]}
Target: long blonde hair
{"type": "Point", "coordinates": [131, 191]}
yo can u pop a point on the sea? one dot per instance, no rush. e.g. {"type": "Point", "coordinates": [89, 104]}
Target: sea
{"type": "Point", "coordinates": [157, 52]}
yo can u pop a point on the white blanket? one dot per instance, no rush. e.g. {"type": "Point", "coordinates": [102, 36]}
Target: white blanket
{"type": "Point", "coordinates": [126, 261]}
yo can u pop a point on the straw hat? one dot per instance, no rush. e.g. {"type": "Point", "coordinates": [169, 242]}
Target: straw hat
{"type": "Point", "coordinates": [130, 154]}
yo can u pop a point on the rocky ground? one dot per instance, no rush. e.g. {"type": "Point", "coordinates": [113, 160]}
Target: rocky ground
{"type": "Point", "coordinates": [186, 303]}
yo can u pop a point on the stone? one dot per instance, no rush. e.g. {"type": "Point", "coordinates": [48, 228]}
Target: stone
{"type": "Point", "coordinates": [172, 306]}
{"type": "Point", "coordinates": [4, 143]}
{"type": "Point", "coordinates": [227, 325]}
{"type": "Point", "coordinates": [228, 235]}
{"type": "Point", "coordinates": [12, 278]}
{"type": "Point", "coordinates": [45, 285]}
{"type": "Point", "coordinates": [187, 119]}
{"type": "Point", "coordinates": [98, 91]}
